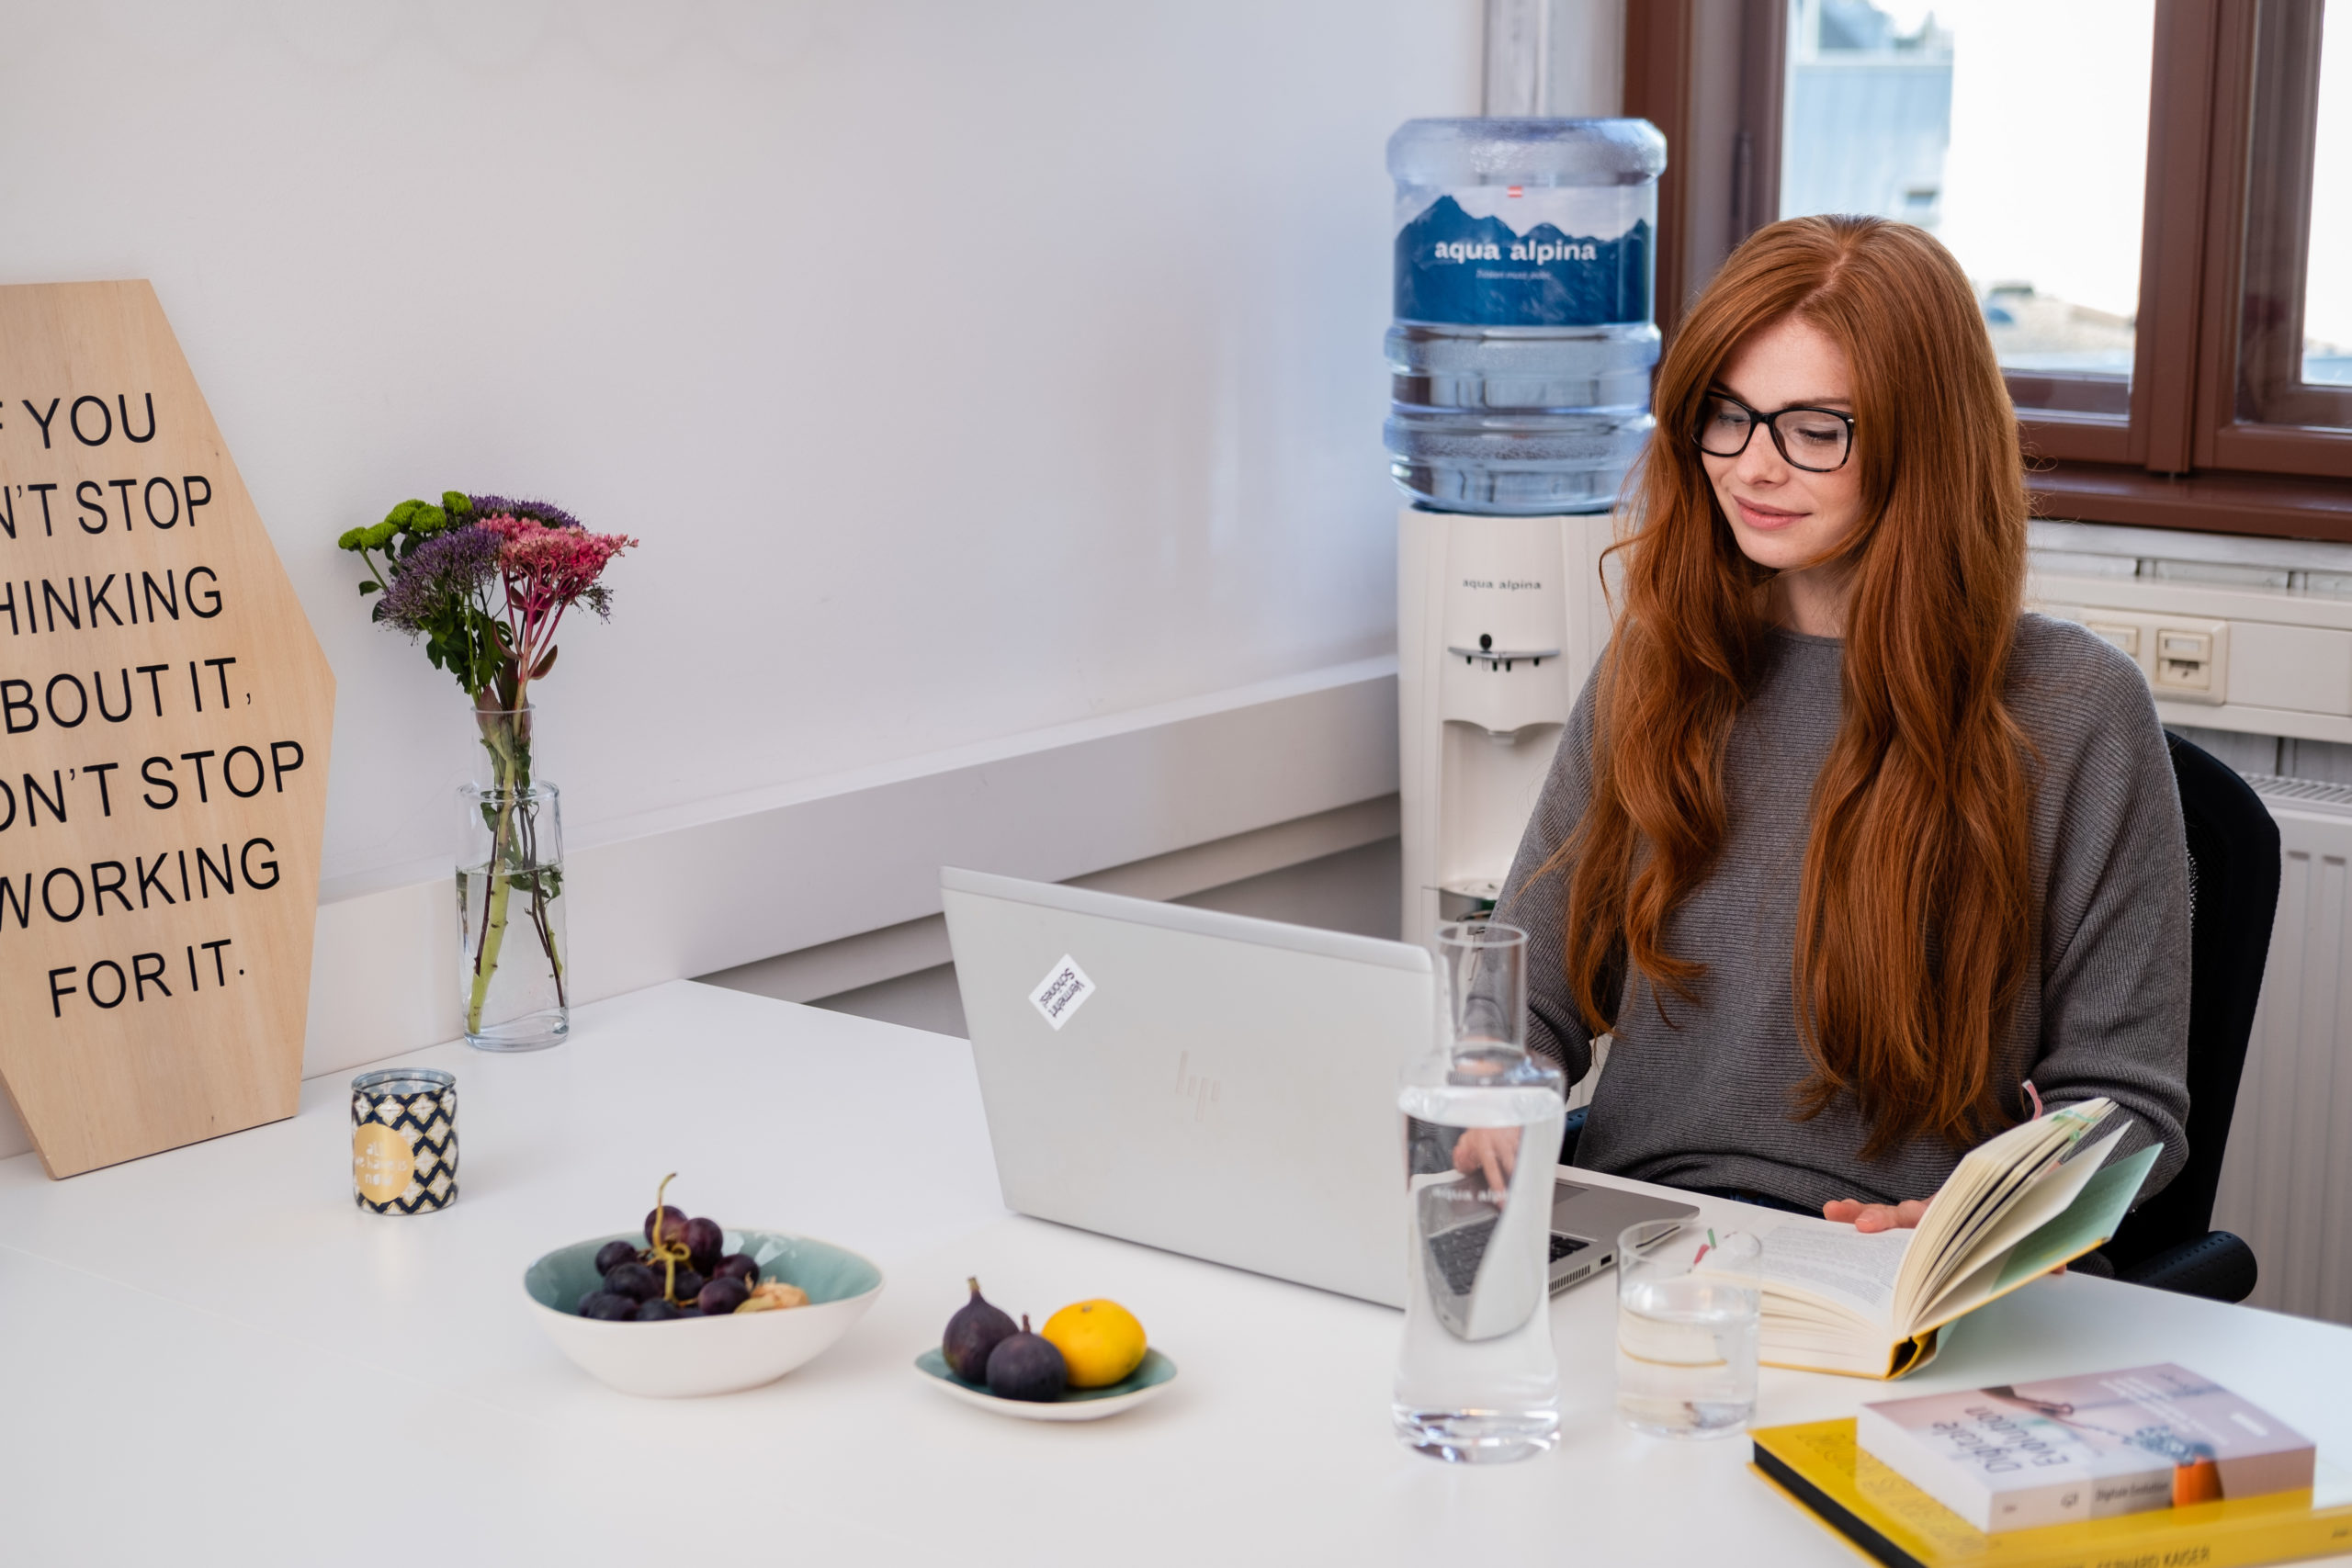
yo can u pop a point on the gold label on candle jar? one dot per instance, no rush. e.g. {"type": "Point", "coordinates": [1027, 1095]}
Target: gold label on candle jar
{"type": "Point", "coordinates": [382, 1164]}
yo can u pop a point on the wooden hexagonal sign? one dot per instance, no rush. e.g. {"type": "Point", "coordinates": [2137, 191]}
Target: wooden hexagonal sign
{"type": "Point", "coordinates": [165, 718]}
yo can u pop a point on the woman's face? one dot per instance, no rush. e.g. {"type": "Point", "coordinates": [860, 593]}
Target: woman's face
{"type": "Point", "coordinates": [1784, 517]}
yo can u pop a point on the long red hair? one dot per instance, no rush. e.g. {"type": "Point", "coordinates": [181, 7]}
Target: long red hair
{"type": "Point", "coordinates": [1913, 923]}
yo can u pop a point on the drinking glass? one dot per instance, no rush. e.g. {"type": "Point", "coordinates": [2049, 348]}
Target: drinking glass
{"type": "Point", "coordinates": [1476, 1379]}
{"type": "Point", "coordinates": [1688, 1304]}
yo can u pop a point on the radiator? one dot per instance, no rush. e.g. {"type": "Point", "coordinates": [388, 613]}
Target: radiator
{"type": "Point", "coordinates": [2287, 1178]}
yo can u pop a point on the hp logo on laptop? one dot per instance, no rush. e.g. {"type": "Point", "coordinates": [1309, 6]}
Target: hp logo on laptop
{"type": "Point", "coordinates": [1199, 1087]}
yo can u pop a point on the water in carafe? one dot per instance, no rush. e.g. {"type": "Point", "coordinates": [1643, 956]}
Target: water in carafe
{"type": "Point", "coordinates": [1475, 1378]}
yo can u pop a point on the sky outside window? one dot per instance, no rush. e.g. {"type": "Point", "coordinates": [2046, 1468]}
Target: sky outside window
{"type": "Point", "coordinates": [2328, 286]}
{"type": "Point", "coordinates": [2035, 177]}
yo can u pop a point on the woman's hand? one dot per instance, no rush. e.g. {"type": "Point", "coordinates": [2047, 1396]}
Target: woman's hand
{"type": "Point", "coordinates": [1490, 1151]}
{"type": "Point", "coordinates": [1870, 1217]}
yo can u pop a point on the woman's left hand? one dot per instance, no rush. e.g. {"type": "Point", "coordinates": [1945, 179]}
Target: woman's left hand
{"type": "Point", "coordinates": [1869, 1217]}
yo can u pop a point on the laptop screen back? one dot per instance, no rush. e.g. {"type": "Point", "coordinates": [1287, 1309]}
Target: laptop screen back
{"type": "Point", "coordinates": [1218, 1085]}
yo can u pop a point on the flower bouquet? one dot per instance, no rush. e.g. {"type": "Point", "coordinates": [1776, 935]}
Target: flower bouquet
{"type": "Point", "coordinates": [485, 581]}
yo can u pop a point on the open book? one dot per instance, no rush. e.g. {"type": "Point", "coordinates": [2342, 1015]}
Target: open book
{"type": "Point", "coordinates": [2038, 1195]}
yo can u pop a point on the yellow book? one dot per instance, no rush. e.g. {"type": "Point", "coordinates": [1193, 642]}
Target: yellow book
{"type": "Point", "coordinates": [2038, 1195]}
{"type": "Point", "coordinates": [1892, 1521]}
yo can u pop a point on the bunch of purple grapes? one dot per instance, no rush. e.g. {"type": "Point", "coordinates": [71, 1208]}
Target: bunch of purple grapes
{"type": "Point", "coordinates": [642, 1285]}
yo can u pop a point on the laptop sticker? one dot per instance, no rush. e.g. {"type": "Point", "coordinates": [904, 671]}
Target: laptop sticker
{"type": "Point", "coordinates": [1062, 992]}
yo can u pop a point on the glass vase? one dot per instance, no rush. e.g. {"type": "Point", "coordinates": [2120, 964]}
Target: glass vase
{"type": "Point", "coordinates": [514, 956]}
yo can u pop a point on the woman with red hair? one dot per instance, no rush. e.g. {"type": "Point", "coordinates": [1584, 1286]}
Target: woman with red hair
{"type": "Point", "coordinates": [1842, 847]}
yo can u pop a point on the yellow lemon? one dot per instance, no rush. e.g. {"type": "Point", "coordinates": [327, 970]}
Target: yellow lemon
{"type": "Point", "coordinates": [1100, 1340]}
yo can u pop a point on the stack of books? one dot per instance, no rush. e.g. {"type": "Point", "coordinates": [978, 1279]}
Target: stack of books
{"type": "Point", "coordinates": [2151, 1465]}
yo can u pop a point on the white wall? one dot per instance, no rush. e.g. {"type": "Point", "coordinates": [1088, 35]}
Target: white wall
{"type": "Point", "coordinates": [967, 369]}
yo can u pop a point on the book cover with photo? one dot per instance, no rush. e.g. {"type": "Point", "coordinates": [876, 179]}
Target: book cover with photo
{"type": "Point", "coordinates": [2019, 1455]}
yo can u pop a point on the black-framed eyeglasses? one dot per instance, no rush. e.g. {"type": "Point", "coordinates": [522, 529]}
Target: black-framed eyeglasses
{"type": "Point", "coordinates": [1816, 440]}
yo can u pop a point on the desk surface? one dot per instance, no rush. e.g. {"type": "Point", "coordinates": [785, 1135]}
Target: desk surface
{"type": "Point", "coordinates": [211, 1355]}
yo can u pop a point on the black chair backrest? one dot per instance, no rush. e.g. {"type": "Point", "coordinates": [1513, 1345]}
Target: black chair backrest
{"type": "Point", "coordinates": [2233, 897]}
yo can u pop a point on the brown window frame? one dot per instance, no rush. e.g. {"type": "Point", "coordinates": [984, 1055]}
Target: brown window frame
{"type": "Point", "coordinates": [2189, 454]}
{"type": "Point", "coordinates": [2271, 411]}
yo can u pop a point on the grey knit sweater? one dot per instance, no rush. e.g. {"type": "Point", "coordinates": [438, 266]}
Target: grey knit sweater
{"type": "Point", "coordinates": [1706, 1101]}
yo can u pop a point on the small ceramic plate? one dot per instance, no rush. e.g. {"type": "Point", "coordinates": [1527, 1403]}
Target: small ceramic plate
{"type": "Point", "coordinates": [1145, 1382]}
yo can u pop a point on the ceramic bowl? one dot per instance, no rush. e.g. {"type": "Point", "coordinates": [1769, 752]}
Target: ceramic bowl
{"type": "Point", "coordinates": [705, 1354]}
{"type": "Point", "coordinates": [1075, 1404]}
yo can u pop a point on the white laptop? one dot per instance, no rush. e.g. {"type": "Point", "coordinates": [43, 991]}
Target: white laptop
{"type": "Point", "coordinates": [1215, 1085]}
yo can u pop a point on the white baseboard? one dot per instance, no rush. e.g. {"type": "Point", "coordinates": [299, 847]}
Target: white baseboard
{"type": "Point", "coordinates": [804, 867]}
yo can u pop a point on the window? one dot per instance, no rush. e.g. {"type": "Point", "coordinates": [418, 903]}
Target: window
{"type": "Point", "coordinates": [1947, 118]}
{"type": "Point", "coordinates": [2328, 291]}
{"type": "Point", "coordinates": [2295, 331]}
{"type": "Point", "coordinates": [2148, 196]}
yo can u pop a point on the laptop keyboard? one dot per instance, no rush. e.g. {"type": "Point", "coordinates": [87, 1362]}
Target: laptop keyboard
{"type": "Point", "coordinates": [1458, 1252]}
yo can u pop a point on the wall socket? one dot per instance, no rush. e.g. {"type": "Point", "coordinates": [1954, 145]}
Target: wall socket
{"type": "Point", "coordinates": [2185, 657]}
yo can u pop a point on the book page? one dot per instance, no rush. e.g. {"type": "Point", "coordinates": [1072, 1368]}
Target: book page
{"type": "Point", "coordinates": [1836, 1264]}
{"type": "Point", "coordinates": [1988, 1178]}
{"type": "Point", "coordinates": [2091, 1219]}
{"type": "Point", "coordinates": [2088, 1220]}
{"type": "Point", "coordinates": [2035, 1204]}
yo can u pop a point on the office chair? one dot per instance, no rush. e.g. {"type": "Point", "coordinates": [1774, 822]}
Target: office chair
{"type": "Point", "coordinates": [2233, 896]}
{"type": "Point", "coordinates": [2167, 1242]}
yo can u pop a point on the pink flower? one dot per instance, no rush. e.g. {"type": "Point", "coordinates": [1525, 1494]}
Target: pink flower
{"type": "Point", "coordinates": [546, 571]}
{"type": "Point", "coordinates": [547, 568]}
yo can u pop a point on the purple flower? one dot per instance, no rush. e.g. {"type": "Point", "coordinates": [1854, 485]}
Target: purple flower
{"type": "Point", "coordinates": [445, 569]}
{"type": "Point", "coordinates": [543, 512]}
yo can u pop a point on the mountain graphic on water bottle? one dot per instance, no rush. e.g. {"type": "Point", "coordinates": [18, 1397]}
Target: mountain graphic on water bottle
{"type": "Point", "coordinates": [1522, 350]}
{"type": "Point", "coordinates": [1454, 267]}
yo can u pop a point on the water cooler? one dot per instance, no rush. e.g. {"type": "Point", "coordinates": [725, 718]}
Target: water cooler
{"type": "Point", "coordinates": [1499, 620]}
{"type": "Point", "coordinates": [1520, 359]}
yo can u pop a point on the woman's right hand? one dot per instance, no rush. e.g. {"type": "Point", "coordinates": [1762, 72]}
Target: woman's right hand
{"type": "Point", "coordinates": [1492, 1152]}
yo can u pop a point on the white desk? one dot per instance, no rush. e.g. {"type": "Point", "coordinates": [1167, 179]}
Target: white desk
{"type": "Point", "coordinates": [211, 1355]}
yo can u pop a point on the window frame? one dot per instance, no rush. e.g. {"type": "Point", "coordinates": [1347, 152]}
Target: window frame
{"type": "Point", "coordinates": [2313, 432]}
{"type": "Point", "coordinates": [1708, 74]}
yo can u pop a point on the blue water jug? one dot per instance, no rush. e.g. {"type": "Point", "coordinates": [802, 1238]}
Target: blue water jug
{"type": "Point", "coordinates": [1524, 341]}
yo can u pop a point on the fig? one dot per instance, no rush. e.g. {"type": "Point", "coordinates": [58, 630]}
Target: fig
{"type": "Point", "coordinates": [972, 1333]}
{"type": "Point", "coordinates": [1026, 1366]}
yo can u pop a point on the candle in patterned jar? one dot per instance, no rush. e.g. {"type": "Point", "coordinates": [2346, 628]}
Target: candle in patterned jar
{"type": "Point", "coordinates": [404, 1141]}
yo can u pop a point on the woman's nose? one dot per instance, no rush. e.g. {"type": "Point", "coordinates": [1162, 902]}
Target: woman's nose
{"type": "Point", "coordinates": [1761, 463]}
